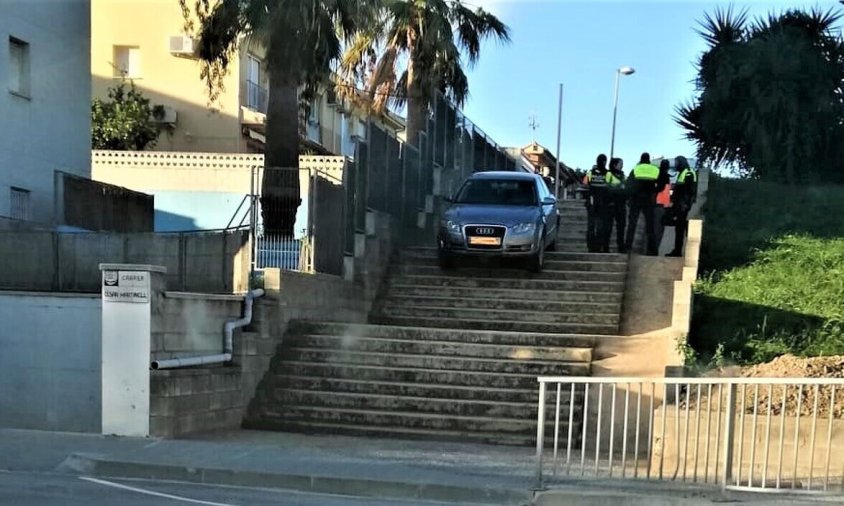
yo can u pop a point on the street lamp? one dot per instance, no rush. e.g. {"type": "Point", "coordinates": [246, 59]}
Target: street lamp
{"type": "Point", "coordinates": [559, 128]}
{"type": "Point", "coordinates": [626, 71]}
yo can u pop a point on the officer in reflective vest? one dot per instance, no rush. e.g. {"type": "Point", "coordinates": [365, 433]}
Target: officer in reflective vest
{"type": "Point", "coordinates": [643, 185]}
{"type": "Point", "coordinates": [600, 183]}
{"type": "Point", "coordinates": [684, 195]}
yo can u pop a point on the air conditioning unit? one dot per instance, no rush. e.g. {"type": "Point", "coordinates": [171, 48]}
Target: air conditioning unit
{"type": "Point", "coordinates": [183, 46]}
{"type": "Point", "coordinates": [164, 114]}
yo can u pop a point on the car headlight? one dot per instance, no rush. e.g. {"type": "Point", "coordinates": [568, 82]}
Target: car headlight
{"type": "Point", "coordinates": [523, 228]}
{"type": "Point", "coordinates": [452, 226]}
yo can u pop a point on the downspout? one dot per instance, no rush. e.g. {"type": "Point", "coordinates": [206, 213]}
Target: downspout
{"type": "Point", "coordinates": [228, 330]}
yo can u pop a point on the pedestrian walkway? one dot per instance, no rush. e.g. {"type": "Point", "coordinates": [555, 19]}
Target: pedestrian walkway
{"type": "Point", "coordinates": [453, 473]}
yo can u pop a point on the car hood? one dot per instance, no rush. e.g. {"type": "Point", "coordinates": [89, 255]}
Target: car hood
{"type": "Point", "coordinates": [467, 214]}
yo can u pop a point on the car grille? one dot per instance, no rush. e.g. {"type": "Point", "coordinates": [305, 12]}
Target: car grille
{"type": "Point", "coordinates": [485, 231]}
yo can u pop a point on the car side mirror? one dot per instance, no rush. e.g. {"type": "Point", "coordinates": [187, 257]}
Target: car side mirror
{"type": "Point", "coordinates": [549, 201]}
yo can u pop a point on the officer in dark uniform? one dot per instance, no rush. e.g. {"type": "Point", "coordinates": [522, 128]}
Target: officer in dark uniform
{"type": "Point", "coordinates": [643, 186]}
{"type": "Point", "coordinates": [600, 183]}
{"type": "Point", "coordinates": [619, 203]}
{"type": "Point", "coordinates": [684, 195]}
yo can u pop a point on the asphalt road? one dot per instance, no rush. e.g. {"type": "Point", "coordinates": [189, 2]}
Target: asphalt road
{"type": "Point", "coordinates": [50, 489]}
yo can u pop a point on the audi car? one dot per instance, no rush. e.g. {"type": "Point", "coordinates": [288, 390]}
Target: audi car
{"type": "Point", "coordinates": [499, 214]}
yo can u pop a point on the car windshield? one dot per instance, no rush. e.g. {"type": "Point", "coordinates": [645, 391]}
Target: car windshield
{"type": "Point", "coordinates": [502, 192]}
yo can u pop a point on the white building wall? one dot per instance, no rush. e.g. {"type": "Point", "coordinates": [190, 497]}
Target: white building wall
{"type": "Point", "coordinates": [50, 128]}
{"type": "Point", "coordinates": [50, 360]}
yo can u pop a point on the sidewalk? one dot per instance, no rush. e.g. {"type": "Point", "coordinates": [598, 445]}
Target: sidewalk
{"type": "Point", "coordinates": [361, 467]}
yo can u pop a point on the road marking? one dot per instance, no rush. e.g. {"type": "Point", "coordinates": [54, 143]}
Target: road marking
{"type": "Point", "coordinates": [151, 492]}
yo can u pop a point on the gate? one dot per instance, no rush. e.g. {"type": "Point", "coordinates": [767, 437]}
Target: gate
{"type": "Point", "coordinates": [313, 241]}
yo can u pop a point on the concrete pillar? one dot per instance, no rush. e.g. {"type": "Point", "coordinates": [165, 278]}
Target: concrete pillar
{"type": "Point", "coordinates": [130, 294]}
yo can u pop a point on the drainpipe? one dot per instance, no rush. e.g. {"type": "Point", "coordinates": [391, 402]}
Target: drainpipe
{"type": "Point", "coordinates": [228, 329]}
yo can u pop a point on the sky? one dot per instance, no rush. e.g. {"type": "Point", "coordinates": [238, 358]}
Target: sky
{"type": "Point", "coordinates": [581, 44]}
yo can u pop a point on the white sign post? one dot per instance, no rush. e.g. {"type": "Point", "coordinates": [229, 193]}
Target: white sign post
{"type": "Point", "coordinates": [127, 292]}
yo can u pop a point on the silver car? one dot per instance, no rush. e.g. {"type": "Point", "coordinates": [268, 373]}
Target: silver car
{"type": "Point", "coordinates": [499, 214]}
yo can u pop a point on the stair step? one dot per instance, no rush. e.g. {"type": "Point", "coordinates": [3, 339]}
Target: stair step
{"type": "Point", "coordinates": [504, 275]}
{"type": "Point", "coordinates": [294, 381]}
{"type": "Point", "coordinates": [384, 404]}
{"type": "Point", "coordinates": [550, 264]}
{"type": "Point", "coordinates": [388, 373]}
{"type": "Point", "coordinates": [514, 326]}
{"type": "Point", "coordinates": [447, 363]}
{"type": "Point", "coordinates": [312, 427]}
{"type": "Point", "coordinates": [441, 334]}
{"type": "Point", "coordinates": [558, 304]}
{"type": "Point", "coordinates": [431, 252]}
{"type": "Point", "coordinates": [414, 420]}
{"type": "Point", "coordinates": [504, 293]}
{"type": "Point", "coordinates": [502, 315]}
{"type": "Point", "coordinates": [537, 284]}
{"type": "Point", "coordinates": [440, 348]}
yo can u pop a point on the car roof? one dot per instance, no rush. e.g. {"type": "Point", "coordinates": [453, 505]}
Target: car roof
{"type": "Point", "coordinates": [500, 174]}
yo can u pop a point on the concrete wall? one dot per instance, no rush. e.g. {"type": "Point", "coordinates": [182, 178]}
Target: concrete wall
{"type": "Point", "coordinates": [212, 398]}
{"type": "Point", "coordinates": [202, 191]}
{"type": "Point", "coordinates": [50, 361]}
{"type": "Point", "coordinates": [44, 261]}
{"type": "Point", "coordinates": [677, 449]}
{"type": "Point", "coordinates": [190, 324]}
{"type": "Point", "coordinates": [92, 205]}
{"type": "Point", "coordinates": [49, 127]}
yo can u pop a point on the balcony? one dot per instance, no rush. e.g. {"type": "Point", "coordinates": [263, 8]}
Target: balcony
{"type": "Point", "coordinates": [256, 97]}
{"type": "Point", "coordinates": [253, 107]}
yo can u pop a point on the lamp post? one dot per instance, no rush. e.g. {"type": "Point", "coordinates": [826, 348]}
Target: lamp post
{"type": "Point", "coordinates": [626, 71]}
{"type": "Point", "coordinates": [559, 125]}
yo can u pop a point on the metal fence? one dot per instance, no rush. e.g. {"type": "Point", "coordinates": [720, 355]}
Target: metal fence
{"type": "Point", "coordinates": [317, 219]}
{"type": "Point", "coordinates": [763, 434]}
{"type": "Point", "coordinates": [386, 175]}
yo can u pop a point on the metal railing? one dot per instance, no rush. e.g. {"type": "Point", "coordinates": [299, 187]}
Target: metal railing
{"type": "Point", "coordinates": [761, 434]}
{"type": "Point", "coordinates": [256, 97]}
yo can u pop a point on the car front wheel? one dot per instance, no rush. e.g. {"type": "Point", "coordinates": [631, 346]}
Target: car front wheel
{"type": "Point", "coordinates": [537, 261]}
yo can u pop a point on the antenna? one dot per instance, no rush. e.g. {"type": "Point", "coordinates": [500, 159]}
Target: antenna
{"type": "Point", "coordinates": [533, 124]}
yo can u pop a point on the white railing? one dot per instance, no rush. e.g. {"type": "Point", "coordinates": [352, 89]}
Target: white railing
{"type": "Point", "coordinates": [762, 434]}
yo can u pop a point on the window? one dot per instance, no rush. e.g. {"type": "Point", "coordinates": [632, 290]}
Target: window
{"type": "Point", "coordinates": [127, 62]}
{"type": "Point", "coordinates": [256, 95]}
{"type": "Point", "coordinates": [18, 67]}
{"type": "Point", "coordinates": [504, 192]}
{"type": "Point", "coordinates": [19, 204]}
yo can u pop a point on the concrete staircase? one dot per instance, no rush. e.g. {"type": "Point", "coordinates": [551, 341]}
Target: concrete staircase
{"type": "Point", "coordinates": [447, 355]}
{"type": "Point", "coordinates": [572, 236]}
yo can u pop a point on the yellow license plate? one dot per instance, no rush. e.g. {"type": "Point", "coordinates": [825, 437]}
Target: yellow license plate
{"type": "Point", "coordinates": [485, 241]}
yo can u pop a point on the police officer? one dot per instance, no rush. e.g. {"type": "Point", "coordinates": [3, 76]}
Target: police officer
{"type": "Point", "coordinates": [642, 185]}
{"type": "Point", "coordinates": [684, 195]}
{"type": "Point", "coordinates": [619, 203]}
{"type": "Point", "coordinates": [600, 182]}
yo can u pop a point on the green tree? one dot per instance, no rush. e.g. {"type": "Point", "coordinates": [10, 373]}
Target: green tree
{"type": "Point", "coordinates": [302, 39]}
{"type": "Point", "coordinates": [770, 100]}
{"type": "Point", "coordinates": [414, 48]}
{"type": "Point", "coordinates": [124, 121]}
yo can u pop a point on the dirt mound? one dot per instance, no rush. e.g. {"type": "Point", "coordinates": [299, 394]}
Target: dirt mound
{"type": "Point", "coordinates": [786, 366]}
{"type": "Point", "coordinates": [789, 366]}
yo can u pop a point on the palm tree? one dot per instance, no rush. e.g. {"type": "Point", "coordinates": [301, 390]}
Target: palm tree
{"type": "Point", "coordinates": [413, 49]}
{"type": "Point", "coordinates": [302, 39]}
{"type": "Point", "coordinates": [770, 98]}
